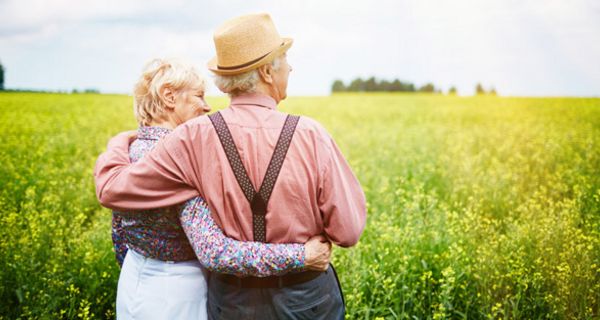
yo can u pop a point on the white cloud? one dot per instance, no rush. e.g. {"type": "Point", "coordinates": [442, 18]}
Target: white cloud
{"type": "Point", "coordinates": [521, 47]}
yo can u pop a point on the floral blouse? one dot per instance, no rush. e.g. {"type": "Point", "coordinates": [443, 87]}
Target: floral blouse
{"type": "Point", "coordinates": [187, 231]}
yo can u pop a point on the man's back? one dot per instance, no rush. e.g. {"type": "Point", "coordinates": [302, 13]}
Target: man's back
{"type": "Point", "coordinates": [315, 192]}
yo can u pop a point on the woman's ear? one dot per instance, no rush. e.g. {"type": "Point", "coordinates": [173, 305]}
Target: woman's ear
{"type": "Point", "coordinates": [168, 97]}
{"type": "Point", "coordinates": [266, 73]}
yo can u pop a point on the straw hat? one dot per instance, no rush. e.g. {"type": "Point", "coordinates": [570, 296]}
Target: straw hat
{"type": "Point", "coordinates": [245, 43]}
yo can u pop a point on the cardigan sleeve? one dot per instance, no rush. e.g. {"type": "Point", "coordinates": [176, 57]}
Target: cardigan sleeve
{"type": "Point", "coordinates": [218, 253]}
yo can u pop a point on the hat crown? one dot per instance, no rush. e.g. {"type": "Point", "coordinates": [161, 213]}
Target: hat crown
{"type": "Point", "coordinates": [245, 39]}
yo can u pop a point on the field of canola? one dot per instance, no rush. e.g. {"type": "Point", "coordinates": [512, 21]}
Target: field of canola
{"type": "Point", "coordinates": [478, 207]}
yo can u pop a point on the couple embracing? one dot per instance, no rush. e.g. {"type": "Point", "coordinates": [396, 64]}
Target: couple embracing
{"type": "Point", "coordinates": [230, 215]}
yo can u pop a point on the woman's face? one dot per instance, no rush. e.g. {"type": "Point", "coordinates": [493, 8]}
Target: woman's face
{"type": "Point", "coordinates": [189, 103]}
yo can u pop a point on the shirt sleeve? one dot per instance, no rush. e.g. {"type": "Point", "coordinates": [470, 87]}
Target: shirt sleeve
{"type": "Point", "coordinates": [118, 238]}
{"type": "Point", "coordinates": [162, 178]}
{"type": "Point", "coordinates": [340, 197]}
{"type": "Point", "coordinates": [221, 254]}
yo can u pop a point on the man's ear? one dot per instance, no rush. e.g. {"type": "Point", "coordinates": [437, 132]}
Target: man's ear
{"type": "Point", "coordinates": [168, 97]}
{"type": "Point", "coordinates": [266, 73]}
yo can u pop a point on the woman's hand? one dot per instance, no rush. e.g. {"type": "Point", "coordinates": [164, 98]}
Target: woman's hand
{"type": "Point", "coordinates": [317, 253]}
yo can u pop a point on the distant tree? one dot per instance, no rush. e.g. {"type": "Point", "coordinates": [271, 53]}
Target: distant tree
{"type": "Point", "coordinates": [429, 87]}
{"type": "Point", "coordinates": [91, 90]}
{"type": "Point", "coordinates": [452, 91]}
{"type": "Point", "coordinates": [396, 85]}
{"type": "Point", "coordinates": [74, 91]}
{"type": "Point", "coordinates": [371, 84]}
{"type": "Point", "coordinates": [357, 85]}
{"type": "Point", "coordinates": [385, 85]}
{"type": "Point", "coordinates": [1, 76]}
{"type": "Point", "coordinates": [338, 86]}
{"type": "Point", "coordinates": [479, 89]}
{"type": "Point", "coordinates": [493, 91]}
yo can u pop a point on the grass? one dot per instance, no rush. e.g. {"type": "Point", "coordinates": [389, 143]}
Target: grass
{"type": "Point", "coordinates": [480, 207]}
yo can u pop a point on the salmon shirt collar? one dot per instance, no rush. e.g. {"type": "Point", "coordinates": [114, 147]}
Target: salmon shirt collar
{"type": "Point", "coordinates": [260, 100]}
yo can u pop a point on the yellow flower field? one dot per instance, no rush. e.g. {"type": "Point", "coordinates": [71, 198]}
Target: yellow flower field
{"type": "Point", "coordinates": [479, 207]}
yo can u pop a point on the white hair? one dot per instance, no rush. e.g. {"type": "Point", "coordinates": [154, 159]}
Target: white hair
{"type": "Point", "coordinates": [246, 82]}
{"type": "Point", "coordinates": [158, 74]}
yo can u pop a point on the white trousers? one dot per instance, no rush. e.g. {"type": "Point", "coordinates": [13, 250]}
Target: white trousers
{"type": "Point", "coordinates": [153, 289]}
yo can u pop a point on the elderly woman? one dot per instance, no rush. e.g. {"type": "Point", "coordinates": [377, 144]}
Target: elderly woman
{"type": "Point", "coordinates": [162, 251]}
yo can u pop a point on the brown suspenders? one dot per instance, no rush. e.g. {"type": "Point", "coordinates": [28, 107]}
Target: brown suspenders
{"type": "Point", "coordinates": [258, 200]}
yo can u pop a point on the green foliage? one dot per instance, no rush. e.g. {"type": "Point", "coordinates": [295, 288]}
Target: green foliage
{"type": "Point", "coordinates": [338, 86]}
{"type": "Point", "coordinates": [479, 207]}
{"type": "Point", "coordinates": [1, 76]}
{"type": "Point", "coordinates": [373, 85]}
{"type": "Point", "coordinates": [427, 88]}
{"type": "Point", "coordinates": [356, 85]}
{"type": "Point", "coordinates": [479, 90]}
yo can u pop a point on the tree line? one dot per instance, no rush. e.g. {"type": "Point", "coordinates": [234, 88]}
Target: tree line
{"type": "Point", "coordinates": [1, 76]}
{"type": "Point", "coordinates": [381, 85]}
{"type": "Point", "coordinates": [372, 84]}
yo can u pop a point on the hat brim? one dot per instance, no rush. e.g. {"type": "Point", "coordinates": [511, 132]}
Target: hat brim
{"type": "Point", "coordinates": [285, 45]}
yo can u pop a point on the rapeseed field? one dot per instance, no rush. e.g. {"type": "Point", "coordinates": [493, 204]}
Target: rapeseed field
{"type": "Point", "coordinates": [478, 207]}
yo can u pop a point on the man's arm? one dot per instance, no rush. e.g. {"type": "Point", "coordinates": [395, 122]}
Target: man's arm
{"type": "Point", "coordinates": [341, 198]}
{"type": "Point", "coordinates": [161, 178]}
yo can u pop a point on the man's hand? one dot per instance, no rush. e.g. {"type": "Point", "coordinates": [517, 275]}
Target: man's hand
{"type": "Point", "coordinates": [317, 253]}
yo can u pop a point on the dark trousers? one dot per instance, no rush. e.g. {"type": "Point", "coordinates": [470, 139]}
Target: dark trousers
{"type": "Point", "coordinates": [319, 298]}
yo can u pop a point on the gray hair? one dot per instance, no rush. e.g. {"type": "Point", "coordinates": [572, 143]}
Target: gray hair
{"type": "Point", "coordinates": [246, 82]}
{"type": "Point", "coordinates": [148, 104]}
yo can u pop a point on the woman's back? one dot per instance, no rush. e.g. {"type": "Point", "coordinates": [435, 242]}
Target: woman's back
{"type": "Point", "coordinates": [154, 233]}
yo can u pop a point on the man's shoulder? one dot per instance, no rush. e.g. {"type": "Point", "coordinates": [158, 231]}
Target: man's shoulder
{"type": "Point", "coordinates": [194, 124]}
{"type": "Point", "coordinates": [309, 124]}
{"type": "Point", "coordinates": [190, 130]}
{"type": "Point", "coordinates": [313, 132]}
{"type": "Point", "coordinates": [200, 120]}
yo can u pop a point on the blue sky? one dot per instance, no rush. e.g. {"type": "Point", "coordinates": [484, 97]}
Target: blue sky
{"type": "Point", "coordinates": [525, 48]}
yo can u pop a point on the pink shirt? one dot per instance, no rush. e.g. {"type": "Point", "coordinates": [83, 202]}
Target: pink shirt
{"type": "Point", "coordinates": [316, 192]}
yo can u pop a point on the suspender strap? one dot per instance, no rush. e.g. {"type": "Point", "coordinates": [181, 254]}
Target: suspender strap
{"type": "Point", "coordinates": [232, 155]}
{"type": "Point", "coordinates": [258, 200]}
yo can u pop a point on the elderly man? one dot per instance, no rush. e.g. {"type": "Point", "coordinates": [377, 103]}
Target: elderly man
{"type": "Point", "coordinates": [267, 176]}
